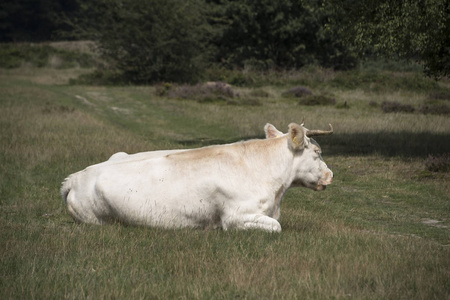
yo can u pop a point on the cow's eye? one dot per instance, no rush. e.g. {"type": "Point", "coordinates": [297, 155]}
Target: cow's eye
{"type": "Point", "coordinates": [318, 151]}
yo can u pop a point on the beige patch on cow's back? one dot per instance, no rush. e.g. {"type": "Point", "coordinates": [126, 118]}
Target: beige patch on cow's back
{"type": "Point", "coordinates": [227, 152]}
{"type": "Point", "coordinates": [198, 154]}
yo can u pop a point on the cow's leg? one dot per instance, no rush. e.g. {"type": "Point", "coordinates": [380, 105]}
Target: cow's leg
{"type": "Point", "coordinates": [253, 221]}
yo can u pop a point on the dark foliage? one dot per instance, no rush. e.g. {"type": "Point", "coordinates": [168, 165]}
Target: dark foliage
{"type": "Point", "coordinates": [373, 103]}
{"type": "Point", "coordinates": [147, 41]}
{"type": "Point", "coordinates": [435, 109]}
{"type": "Point", "coordinates": [395, 107]}
{"type": "Point", "coordinates": [438, 163]}
{"type": "Point", "coordinates": [317, 100]}
{"type": "Point", "coordinates": [288, 34]}
{"type": "Point", "coordinates": [342, 105]}
{"type": "Point", "coordinates": [439, 95]}
{"type": "Point", "coordinates": [151, 41]}
{"type": "Point", "coordinates": [298, 91]}
{"type": "Point", "coordinates": [32, 21]}
{"type": "Point", "coordinates": [412, 30]}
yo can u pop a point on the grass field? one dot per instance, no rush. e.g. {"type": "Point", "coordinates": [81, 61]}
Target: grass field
{"type": "Point", "coordinates": [381, 231]}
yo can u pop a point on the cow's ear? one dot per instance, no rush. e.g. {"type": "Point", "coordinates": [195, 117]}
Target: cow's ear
{"type": "Point", "coordinates": [296, 137]}
{"type": "Point", "coordinates": [271, 131]}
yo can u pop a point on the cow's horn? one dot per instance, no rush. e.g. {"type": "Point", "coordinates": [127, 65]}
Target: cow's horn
{"type": "Point", "coordinates": [303, 122]}
{"type": "Point", "coordinates": [310, 133]}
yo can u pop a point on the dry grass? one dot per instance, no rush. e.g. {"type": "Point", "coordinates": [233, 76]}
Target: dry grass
{"type": "Point", "coordinates": [88, 47]}
{"type": "Point", "coordinates": [47, 76]}
{"type": "Point", "coordinates": [367, 236]}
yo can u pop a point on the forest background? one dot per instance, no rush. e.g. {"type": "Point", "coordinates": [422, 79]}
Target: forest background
{"type": "Point", "coordinates": [147, 41]}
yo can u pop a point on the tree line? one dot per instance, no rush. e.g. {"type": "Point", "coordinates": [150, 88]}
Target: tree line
{"type": "Point", "coordinates": [145, 41]}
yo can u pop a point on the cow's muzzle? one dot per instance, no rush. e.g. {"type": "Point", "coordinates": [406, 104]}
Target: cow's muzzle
{"type": "Point", "coordinates": [326, 180]}
{"type": "Point", "coordinates": [320, 187]}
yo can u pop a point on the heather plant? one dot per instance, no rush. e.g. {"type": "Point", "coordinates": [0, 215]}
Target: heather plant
{"type": "Point", "coordinates": [312, 100]}
{"type": "Point", "coordinates": [396, 107]}
{"type": "Point", "coordinates": [438, 163]}
{"type": "Point", "coordinates": [435, 109]}
{"type": "Point", "coordinates": [439, 95]}
{"type": "Point", "coordinates": [298, 91]}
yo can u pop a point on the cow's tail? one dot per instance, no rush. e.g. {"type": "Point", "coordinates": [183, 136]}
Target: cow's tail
{"type": "Point", "coordinates": [66, 187]}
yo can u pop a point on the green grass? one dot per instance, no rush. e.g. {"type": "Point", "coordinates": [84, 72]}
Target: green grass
{"type": "Point", "coordinates": [367, 236]}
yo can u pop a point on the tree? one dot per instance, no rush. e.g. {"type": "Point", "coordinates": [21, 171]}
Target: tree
{"type": "Point", "coordinates": [31, 20]}
{"type": "Point", "coordinates": [149, 40]}
{"type": "Point", "coordinates": [406, 29]}
{"type": "Point", "coordinates": [283, 33]}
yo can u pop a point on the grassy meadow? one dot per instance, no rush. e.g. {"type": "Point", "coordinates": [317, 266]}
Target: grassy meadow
{"type": "Point", "coordinates": [380, 231]}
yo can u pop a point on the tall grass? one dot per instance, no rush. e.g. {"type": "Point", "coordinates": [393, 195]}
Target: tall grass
{"type": "Point", "coordinates": [380, 231]}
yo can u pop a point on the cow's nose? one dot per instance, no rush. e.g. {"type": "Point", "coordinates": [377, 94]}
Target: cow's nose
{"type": "Point", "coordinates": [328, 178]}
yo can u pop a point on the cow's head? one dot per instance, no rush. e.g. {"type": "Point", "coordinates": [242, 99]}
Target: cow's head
{"type": "Point", "coordinates": [309, 168]}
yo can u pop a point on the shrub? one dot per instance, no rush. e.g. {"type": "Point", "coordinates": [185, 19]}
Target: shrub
{"type": "Point", "coordinates": [259, 93]}
{"type": "Point", "coordinates": [260, 35]}
{"type": "Point", "coordinates": [343, 105]}
{"type": "Point", "coordinates": [317, 100]}
{"type": "Point", "coordinates": [373, 103]}
{"type": "Point", "coordinates": [219, 88]}
{"type": "Point", "coordinates": [152, 41]}
{"type": "Point", "coordinates": [438, 163]}
{"type": "Point", "coordinates": [435, 109]}
{"type": "Point", "coordinates": [99, 77]}
{"type": "Point", "coordinates": [163, 89]}
{"type": "Point", "coordinates": [395, 107]}
{"type": "Point", "coordinates": [298, 91]}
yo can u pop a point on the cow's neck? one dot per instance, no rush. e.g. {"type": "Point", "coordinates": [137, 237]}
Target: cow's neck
{"type": "Point", "coordinates": [275, 171]}
{"type": "Point", "coordinates": [273, 161]}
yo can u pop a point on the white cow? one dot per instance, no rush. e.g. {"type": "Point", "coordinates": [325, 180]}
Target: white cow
{"type": "Point", "coordinates": [237, 185]}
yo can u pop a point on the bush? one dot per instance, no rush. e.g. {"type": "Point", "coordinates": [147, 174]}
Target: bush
{"type": "Point", "coordinates": [259, 93]}
{"type": "Point", "coordinates": [262, 35]}
{"type": "Point", "coordinates": [395, 107]}
{"type": "Point", "coordinates": [373, 103]}
{"type": "Point", "coordinates": [163, 89]}
{"type": "Point", "coordinates": [208, 92]}
{"type": "Point", "coordinates": [438, 163]}
{"type": "Point", "coordinates": [435, 109]}
{"type": "Point", "coordinates": [343, 105]}
{"type": "Point", "coordinates": [317, 100]}
{"type": "Point", "coordinates": [152, 41]}
{"type": "Point", "coordinates": [99, 77]}
{"type": "Point", "coordinates": [298, 91]}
